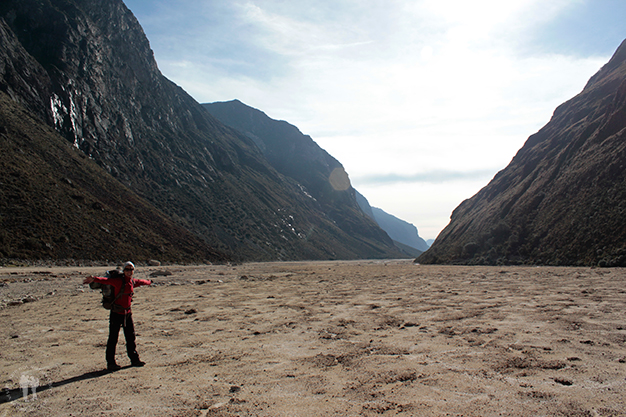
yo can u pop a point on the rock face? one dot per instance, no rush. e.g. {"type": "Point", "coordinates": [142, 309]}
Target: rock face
{"type": "Point", "coordinates": [562, 199]}
{"type": "Point", "coordinates": [399, 230]}
{"type": "Point", "coordinates": [403, 233]}
{"type": "Point", "coordinates": [297, 156]}
{"type": "Point", "coordinates": [56, 204]}
{"type": "Point", "coordinates": [85, 68]}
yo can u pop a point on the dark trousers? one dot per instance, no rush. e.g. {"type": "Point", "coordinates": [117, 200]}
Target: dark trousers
{"type": "Point", "coordinates": [115, 322]}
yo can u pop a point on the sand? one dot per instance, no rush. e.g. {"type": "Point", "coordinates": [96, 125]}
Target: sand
{"type": "Point", "coordinates": [321, 339]}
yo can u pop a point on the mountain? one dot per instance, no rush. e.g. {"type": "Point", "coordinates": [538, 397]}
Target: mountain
{"type": "Point", "coordinates": [298, 157]}
{"type": "Point", "coordinates": [365, 205]}
{"type": "Point", "coordinates": [85, 69]}
{"type": "Point", "coordinates": [399, 230]}
{"type": "Point", "coordinates": [562, 199]}
{"type": "Point", "coordinates": [403, 233]}
{"type": "Point", "coordinates": [57, 204]}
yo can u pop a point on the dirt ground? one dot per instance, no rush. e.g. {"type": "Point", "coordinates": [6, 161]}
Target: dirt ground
{"type": "Point", "coordinates": [320, 339]}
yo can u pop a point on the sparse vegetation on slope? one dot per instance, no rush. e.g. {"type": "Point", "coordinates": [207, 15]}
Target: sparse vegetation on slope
{"type": "Point", "coordinates": [56, 203]}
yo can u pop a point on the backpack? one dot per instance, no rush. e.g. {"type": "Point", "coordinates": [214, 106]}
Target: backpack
{"type": "Point", "coordinates": [108, 291]}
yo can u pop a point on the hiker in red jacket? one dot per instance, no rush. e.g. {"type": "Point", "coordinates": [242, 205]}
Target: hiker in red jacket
{"type": "Point", "coordinates": [121, 315]}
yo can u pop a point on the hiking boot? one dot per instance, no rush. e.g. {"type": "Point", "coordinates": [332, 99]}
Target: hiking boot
{"type": "Point", "coordinates": [113, 367]}
{"type": "Point", "coordinates": [138, 363]}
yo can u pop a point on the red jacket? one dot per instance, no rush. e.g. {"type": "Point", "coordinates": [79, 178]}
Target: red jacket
{"type": "Point", "coordinates": [128, 285]}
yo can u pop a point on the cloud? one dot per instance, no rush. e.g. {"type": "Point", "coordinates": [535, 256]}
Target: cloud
{"type": "Point", "coordinates": [432, 96]}
{"type": "Point", "coordinates": [303, 31]}
{"type": "Point", "coordinates": [432, 177]}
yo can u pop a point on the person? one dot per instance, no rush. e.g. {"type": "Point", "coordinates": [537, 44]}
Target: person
{"type": "Point", "coordinates": [121, 315]}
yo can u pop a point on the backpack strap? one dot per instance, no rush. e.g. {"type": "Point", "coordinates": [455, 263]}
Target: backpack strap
{"type": "Point", "coordinates": [117, 296]}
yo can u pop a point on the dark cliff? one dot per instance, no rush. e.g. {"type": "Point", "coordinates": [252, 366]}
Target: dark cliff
{"type": "Point", "coordinates": [85, 68]}
{"type": "Point", "coordinates": [562, 199]}
{"type": "Point", "coordinates": [56, 204]}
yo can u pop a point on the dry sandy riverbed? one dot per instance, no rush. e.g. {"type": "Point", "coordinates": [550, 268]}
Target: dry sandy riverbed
{"type": "Point", "coordinates": [321, 339]}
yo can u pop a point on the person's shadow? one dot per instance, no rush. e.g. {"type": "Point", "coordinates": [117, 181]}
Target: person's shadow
{"type": "Point", "coordinates": [8, 395]}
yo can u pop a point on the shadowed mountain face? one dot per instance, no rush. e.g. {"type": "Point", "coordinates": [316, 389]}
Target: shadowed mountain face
{"type": "Point", "coordinates": [399, 230]}
{"type": "Point", "coordinates": [85, 68]}
{"type": "Point", "coordinates": [298, 157]}
{"type": "Point", "coordinates": [562, 199]}
{"type": "Point", "coordinates": [57, 204]}
{"type": "Point", "coordinates": [404, 234]}
{"type": "Point", "coordinates": [290, 152]}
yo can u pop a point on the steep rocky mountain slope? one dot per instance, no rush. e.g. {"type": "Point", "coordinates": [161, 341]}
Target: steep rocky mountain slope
{"type": "Point", "coordinates": [404, 234]}
{"type": "Point", "coordinates": [297, 156]}
{"type": "Point", "coordinates": [55, 203]}
{"type": "Point", "coordinates": [85, 68]}
{"type": "Point", "coordinates": [562, 199]}
{"type": "Point", "coordinates": [399, 230]}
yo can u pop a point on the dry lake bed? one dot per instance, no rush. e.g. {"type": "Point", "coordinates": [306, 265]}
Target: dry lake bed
{"type": "Point", "coordinates": [320, 339]}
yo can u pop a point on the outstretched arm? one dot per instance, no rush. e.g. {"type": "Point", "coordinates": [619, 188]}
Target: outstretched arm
{"type": "Point", "coordinates": [89, 279]}
{"type": "Point", "coordinates": [140, 282]}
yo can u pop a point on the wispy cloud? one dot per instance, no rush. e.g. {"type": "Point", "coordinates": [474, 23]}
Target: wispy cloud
{"type": "Point", "coordinates": [297, 35]}
{"type": "Point", "coordinates": [431, 96]}
{"type": "Point", "coordinates": [431, 177]}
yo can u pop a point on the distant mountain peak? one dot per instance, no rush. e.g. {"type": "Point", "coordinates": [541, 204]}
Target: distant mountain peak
{"type": "Point", "coordinates": [399, 230]}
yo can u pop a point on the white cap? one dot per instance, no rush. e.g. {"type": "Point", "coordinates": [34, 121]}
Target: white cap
{"type": "Point", "coordinates": [127, 264]}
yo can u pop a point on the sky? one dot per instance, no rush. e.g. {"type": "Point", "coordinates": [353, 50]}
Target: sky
{"type": "Point", "coordinates": [422, 101]}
